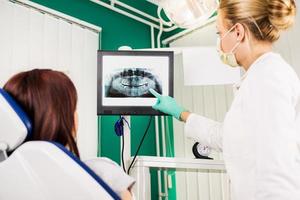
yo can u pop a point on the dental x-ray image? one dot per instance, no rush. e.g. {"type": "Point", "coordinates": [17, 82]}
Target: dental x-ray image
{"type": "Point", "coordinates": [125, 78]}
{"type": "Point", "coordinates": [132, 82]}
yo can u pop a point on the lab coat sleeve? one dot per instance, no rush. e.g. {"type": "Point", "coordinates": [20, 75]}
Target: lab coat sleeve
{"type": "Point", "coordinates": [205, 131]}
{"type": "Point", "coordinates": [269, 117]}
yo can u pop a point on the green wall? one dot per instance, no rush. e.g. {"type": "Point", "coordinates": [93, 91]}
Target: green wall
{"type": "Point", "coordinates": [118, 30]}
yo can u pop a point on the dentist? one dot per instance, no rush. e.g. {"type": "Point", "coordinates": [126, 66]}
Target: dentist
{"type": "Point", "coordinates": [259, 136]}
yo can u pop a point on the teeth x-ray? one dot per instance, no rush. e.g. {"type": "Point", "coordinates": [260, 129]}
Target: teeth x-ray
{"type": "Point", "coordinates": [132, 82]}
{"type": "Point", "coordinates": [125, 78]}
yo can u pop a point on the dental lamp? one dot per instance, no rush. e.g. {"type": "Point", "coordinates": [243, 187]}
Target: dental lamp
{"type": "Point", "coordinates": [188, 13]}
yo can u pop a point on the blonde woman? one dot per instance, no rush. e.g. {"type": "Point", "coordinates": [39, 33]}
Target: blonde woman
{"type": "Point", "coordinates": [259, 137]}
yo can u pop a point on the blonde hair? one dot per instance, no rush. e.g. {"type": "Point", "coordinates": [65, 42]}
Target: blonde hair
{"type": "Point", "coordinates": [265, 19]}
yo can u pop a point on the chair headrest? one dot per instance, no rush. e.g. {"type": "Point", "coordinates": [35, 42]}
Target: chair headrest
{"type": "Point", "coordinates": [15, 125]}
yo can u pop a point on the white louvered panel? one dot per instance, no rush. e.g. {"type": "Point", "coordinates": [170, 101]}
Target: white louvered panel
{"type": "Point", "coordinates": [20, 38]}
{"type": "Point", "coordinates": [222, 105]}
{"type": "Point", "coordinates": [64, 46]}
{"type": "Point", "coordinates": [202, 175]}
{"type": "Point", "coordinates": [179, 145]}
{"type": "Point", "coordinates": [210, 112]}
{"type": "Point", "coordinates": [77, 50]}
{"type": "Point", "coordinates": [32, 39]}
{"type": "Point", "coordinates": [202, 100]}
{"type": "Point", "coordinates": [77, 44]}
{"type": "Point", "coordinates": [294, 43]}
{"type": "Point", "coordinates": [36, 39]}
{"type": "Point", "coordinates": [89, 87]}
{"type": "Point", "coordinates": [6, 20]}
{"type": "Point", "coordinates": [211, 102]}
{"type": "Point", "coordinates": [190, 175]}
{"type": "Point", "coordinates": [50, 42]}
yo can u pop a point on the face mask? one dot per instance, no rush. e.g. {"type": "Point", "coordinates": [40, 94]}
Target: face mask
{"type": "Point", "coordinates": [227, 58]}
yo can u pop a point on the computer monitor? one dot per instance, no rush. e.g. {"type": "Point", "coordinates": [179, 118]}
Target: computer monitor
{"type": "Point", "coordinates": [125, 77]}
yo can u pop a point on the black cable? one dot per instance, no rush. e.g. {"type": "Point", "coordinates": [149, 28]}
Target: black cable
{"type": "Point", "coordinates": [119, 129]}
{"type": "Point", "coordinates": [142, 140]}
{"type": "Point", "coordinates": [123, 163]}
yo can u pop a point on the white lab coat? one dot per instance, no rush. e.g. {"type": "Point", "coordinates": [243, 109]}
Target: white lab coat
{"type": "Point", "coordinates": [259, 137]}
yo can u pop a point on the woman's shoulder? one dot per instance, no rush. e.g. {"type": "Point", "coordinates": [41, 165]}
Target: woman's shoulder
{"type": "Point", "coordinates": [274, 74]}
{"type": "Point", "coordinates": [102, 165]}
{"type": "Point", "coordinates": [276, 66]}
{"type": "Point", "coordinates": [111, 173]}
{"type": "Point", "coordinates": [274, 69]}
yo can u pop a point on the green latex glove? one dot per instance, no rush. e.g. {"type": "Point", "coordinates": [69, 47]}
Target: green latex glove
{"type": "Point", "coordinates": [167, 105]}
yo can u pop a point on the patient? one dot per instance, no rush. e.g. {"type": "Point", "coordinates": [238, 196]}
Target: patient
{"type": "Point", "coordinates": [50, 98]}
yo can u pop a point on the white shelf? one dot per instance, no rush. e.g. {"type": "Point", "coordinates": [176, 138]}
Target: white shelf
{"type": "Point", "coordinates": [178, 163]}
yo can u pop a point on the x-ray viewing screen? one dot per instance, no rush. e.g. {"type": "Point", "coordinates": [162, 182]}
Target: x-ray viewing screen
{"type": "Point", "coordinates": [125, 77]}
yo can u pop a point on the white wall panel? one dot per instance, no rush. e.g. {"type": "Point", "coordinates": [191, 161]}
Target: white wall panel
{"type": "Point", "coordinates": [36, 39]}
{"type": "Point", "coordinates": [50, 42]}
{"type": "Point", "coordinates": [31, 39]}
{"type": "Point", "coordinates": [209, 101]}
{"type": "Point", "coordinates": [20, 38]}
{"type": "Point", "coordinates": [64, 46]}
{"type": "Point", "coordinates": [89, 87]}
{"type": "Point", "coordinates": [6, 20]}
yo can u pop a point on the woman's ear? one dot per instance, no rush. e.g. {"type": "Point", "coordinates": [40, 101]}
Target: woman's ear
{"type": "Point", "coordinates": [240, 32]}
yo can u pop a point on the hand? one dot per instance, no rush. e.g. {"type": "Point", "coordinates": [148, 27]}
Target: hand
{"type": "Point", "coordinates": [167, 105]}
{"type": "Point", "coordinates": [126, 195]}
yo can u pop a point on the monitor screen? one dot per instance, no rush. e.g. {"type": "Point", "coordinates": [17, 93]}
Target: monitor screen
{"type": "Point", "coordinates": [125, 77]}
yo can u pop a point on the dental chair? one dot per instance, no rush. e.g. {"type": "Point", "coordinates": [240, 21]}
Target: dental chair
{"type": "Point", "coordinates": [41, 170]}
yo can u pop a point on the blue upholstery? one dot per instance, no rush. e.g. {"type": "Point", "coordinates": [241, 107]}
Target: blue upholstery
{"type": "Point", "coordinates": [19, 111]}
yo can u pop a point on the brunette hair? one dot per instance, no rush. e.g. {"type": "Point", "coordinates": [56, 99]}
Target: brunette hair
{"type": "Point", "coordinates": [49, 98]}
